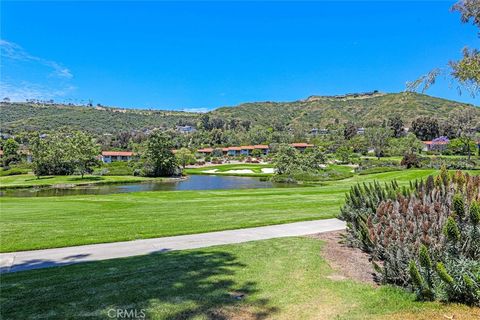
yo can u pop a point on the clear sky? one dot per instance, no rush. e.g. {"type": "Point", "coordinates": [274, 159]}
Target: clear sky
{"type": "Point", "coordinates": [202, 55]}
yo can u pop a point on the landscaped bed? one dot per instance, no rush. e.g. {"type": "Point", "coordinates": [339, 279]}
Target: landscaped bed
{"type": "Point", "coordinates": [243, 281]}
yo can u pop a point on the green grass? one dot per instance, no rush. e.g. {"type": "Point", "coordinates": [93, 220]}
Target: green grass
{"type": "Point", "coordinates": [29, 180]}
{"type": "Point", "coordinates": [46, 222]}
{"type": "Point", "coordinates": [206, 284]}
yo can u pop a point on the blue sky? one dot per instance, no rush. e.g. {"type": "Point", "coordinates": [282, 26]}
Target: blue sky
{"type": "Point", "coordinates": [202, 55]}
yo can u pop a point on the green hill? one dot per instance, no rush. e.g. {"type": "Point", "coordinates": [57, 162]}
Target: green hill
{"type": "Point", "coordinates": [362, 109]}
{"type": "Point", "coordinates": [315, 111]}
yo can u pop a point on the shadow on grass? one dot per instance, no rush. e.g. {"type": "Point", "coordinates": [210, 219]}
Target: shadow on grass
{"type": "Point", "coordinates": [169, 285]}
{"type": "Point", "coordinates": [86, 178]}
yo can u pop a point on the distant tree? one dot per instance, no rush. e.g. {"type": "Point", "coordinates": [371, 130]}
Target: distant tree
{"type": "Point", "coordinates": [458, 147]}
{"type": "Point", "coordinates": [349, 131]}
{"type": "Point", "coordinates": [344, 154]}
{"type": "Point", "coordinates": [158, 158]}
{"type": "Point", "coordinates": [465, 125]}
{"type": "Point", "coordinates": [217, 123]}
{"type": "Point", "coordinates": [358, 144]}
{"type": "Point", "coordinates": [84, 152]}
{"type": "Point", "coordinates": [257, 153]}
{"type": "Point", "coordinates": [246, 124]}
{"type": "Point", "coordinates": [52, 154]}
{"type": "Point", "coordinates": [447, 129]}
{"type": "Point", "coordinates": [205, 122]}
{"type": "Point", "coordinates": [314, 158]}
{"type": "Point", "coordinates": [395, 123]}
{"type": "Point", "coordinates": [184, 157]}
{"type": "Point", "coordinates": [378, 139]}
{"type": "Point", "coordinates": [10, 152]}
{"type": "Point", "coordinates": [40, 156]}
{"type": "Point", "coordinates": [286, 160]}
{"type": "Point", "coordinates": [405, 145]}
{"type": "Point", "coordinates": [425, 128]}
{"type": "Point", "coordinates": [410, 160]}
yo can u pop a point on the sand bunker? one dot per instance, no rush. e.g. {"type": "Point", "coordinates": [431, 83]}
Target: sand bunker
{"type": "Point", "coordinates": [239, 171]}
{"type": "Point", "coordinates": [211, 171]}
{"type": "Point", "coordinates": [268, 170]}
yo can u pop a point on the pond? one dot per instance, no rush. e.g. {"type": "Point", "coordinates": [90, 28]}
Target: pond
{"type": "Point", "coordinates": [194, 182]}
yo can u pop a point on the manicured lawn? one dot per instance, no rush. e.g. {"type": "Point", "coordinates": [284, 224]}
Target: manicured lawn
{"type": "Point", "coordinates": [29, 180]}
{"type": "Point", "coordinates": [46, 222]}
{"type": "Point", "coordinates": [274, 279]}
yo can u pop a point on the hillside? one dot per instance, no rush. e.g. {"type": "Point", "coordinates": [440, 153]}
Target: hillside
{"type": "Point", "coordinates": [24, 116]}
{"type": "Point", "coordinates": [362, 109]}
{"type": "Point", "coordinates": [315, 111]}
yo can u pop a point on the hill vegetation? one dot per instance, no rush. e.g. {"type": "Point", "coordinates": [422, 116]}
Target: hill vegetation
{"type": "Point", "coordinates": [314, 112]}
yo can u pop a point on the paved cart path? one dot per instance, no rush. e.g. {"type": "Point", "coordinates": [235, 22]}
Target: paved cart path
{"type": "Point", "coordinates": [36, 259]}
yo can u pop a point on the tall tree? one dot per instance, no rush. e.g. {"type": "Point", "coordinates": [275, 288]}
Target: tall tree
{"type": "Point", "coordinates": [395, 124]}
{"type": "Point", "coordinates": [286, 160]}
{"type": "Point", "coordinates": [425, 128]}
{"type": "Point", "coordinates": [378, 138]}
{"type": "Point", "coordinates": [84, 152]}
{"type": "Point", "coordinates": [184, 157]}
{"type": "Point", "coordinates": [158, 159]}
{"type": "Point", "coordinates": [10, 152]}
{"type": "Point", "coordinates": [349, 131]}
{"type": "Point", "coordinates": [465, 125]}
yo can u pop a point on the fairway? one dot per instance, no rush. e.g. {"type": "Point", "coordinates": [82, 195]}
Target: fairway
{"type": "Point", "coordinates": [245, 281]}
{"type": "Point", "coordinates": [48, 222]}
{"type": "Point", "coordinates": [29, 180]}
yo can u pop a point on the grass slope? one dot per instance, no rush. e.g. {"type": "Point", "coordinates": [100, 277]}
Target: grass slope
{"type": "Point", "coordinates": [245, 281]}
{"type": "Point", "coordinates": [46, 222]}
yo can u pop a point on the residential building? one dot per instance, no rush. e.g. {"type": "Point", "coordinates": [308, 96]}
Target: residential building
{"type": "Point", "coordinates": [185, 129]}
{"type": "Point", "coordinates": [113, 156]}
{"type": "Point", "coordinates": [437, 144]}
{"type": "Point", "coordinates": [301, 146]}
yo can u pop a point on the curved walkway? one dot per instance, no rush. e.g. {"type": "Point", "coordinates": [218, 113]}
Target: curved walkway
{"type": "Point", "coordinates": [36, 259]}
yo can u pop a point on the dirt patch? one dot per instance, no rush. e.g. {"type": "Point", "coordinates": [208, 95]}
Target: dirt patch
{"type": "Point", "coordinates": [347, 262]}
{"type": "Point", "coordinates": [448, 312]}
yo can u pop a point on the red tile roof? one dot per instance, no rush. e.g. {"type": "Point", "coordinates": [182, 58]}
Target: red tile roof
{"type": "Point", "coordinates": [435, 142]}
{"type": "Point", "coordinates": [1, 152]}
{"type": "Point", "coordinates": [301, 145]}
{"type": "Point", "coordinates": [260, 146]}
{"type": "Point", "coordinates": [117, 153]}
{"type": "Point", "coordinates": [247, 147]}
{"type": "Point", "coordinates": [205, 150]}
{"type": "Point", "coordinates": [235, 148]}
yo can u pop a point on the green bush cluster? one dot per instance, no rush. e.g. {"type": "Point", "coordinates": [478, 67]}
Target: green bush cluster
{"type": "Point", "coordinates": [425, 237]}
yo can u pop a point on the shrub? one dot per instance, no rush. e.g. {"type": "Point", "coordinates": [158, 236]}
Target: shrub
{"type": "Point", "coordinates": [425, 236]}
{"type": "Point", "coordinates": [410, 160]}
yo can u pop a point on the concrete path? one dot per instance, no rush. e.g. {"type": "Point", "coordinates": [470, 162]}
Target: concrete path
{"type": "Point", "coordinates": [36, 259]}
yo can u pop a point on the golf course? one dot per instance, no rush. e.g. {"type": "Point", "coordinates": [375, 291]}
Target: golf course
{"type": "Point", "coordinates": [49, 222]}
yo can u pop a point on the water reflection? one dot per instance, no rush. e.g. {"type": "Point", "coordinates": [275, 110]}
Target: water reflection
{"type": "Point", "coordinates": [198, 182]}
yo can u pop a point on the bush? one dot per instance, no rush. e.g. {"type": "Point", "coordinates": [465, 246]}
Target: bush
{"type": "Point", "coordinates": [13, 172]}
{"type": "Point", "coordinates": [373, 170]}
{"type": "Point", "coordinates": [426, 236]}
{"type": "Point", "coordinates": [410, 160]}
